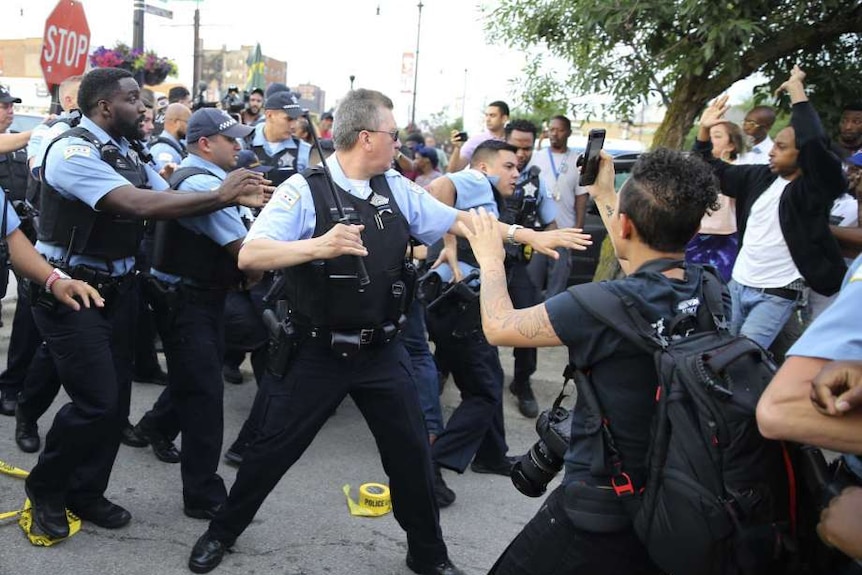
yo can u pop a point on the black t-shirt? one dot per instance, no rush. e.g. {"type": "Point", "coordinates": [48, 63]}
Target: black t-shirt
{"type": "Point", "coordinates": [623, 375]}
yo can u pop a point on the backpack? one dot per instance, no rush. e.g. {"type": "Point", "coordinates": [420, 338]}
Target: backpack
{"type": "Point", "coordinates": [719, 499]}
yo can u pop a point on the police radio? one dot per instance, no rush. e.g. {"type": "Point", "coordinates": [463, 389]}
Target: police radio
{"type": "Point", "coordinates": [343, 218]}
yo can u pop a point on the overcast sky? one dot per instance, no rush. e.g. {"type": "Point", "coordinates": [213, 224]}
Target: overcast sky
{"type": "Point", "coordinates": [324, 46]}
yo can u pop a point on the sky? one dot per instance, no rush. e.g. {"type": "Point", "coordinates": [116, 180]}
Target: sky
{"type": "Point", "coordinates": [326, 45]}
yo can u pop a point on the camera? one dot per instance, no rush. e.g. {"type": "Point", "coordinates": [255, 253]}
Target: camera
{"type": "Point", "coordinates": [233, 102]}
{"type": "Point", "coordinates": [535, 469]}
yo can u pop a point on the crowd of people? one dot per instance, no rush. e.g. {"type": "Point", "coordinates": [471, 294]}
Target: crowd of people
{"type": "Point", "coordinates": [335, 250]}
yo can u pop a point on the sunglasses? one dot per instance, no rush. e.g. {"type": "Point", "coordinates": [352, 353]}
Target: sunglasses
{"type": "Point", "coordinates": [393, 134]}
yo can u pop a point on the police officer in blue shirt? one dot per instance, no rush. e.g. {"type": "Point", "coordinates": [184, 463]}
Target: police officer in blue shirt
{"type": "Point", "coordinates": [531, 206]}
{"type": "Point", "coordinates": [475, 431]}
{"type": "Point", "coordinates": [169, 146]}
{"type": "Point", "coordinates": [342, 333]}
{"type": "Point", "coordinates": [95, 195]}
{"type": "Point", "coordinates": [273, 141]}
{"type": "Point", "coordinates": [194, 265]}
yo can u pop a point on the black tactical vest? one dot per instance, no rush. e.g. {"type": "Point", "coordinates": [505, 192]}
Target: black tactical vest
{"type": "Point", "coordinates": [13, 173]}
{"type": "Point", "coordinates": [180, 251]}
{"type": "Point", "coordinates": [172, 143]}
{"type": "Point", "coordinates": [72, 224]}
{"type": "Point", "coordinates": [325, 293]}
{"type": "Point", "coordinates": [283, 163]}
{"type": "Point", "coordinates": [522, 208]}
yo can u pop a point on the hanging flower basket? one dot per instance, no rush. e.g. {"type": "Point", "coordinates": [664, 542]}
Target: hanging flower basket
{"type": "Point", "coordinates": [148, 66]}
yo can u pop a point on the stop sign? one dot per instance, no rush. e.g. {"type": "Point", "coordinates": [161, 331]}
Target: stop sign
{"type": "Point", "coordinates": [65, 43]}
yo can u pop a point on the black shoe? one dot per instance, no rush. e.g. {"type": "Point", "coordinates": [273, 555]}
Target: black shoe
{"type": "Point", "coordinates": [49, 514]}
{"type": "Point", "coordinates": [102, 512]}
{"type": "Point", "coordinates": [231, 374]}
{"type": "Point", "coordinates": [444, 495]}
{"type": "Point", "coordinates": [207, 554]}
{"type": "Point", "coordinates": [502, 467]}
{"type": "Point", "coordinates": [235, 453]}
{"type": "Point", "coordinates": [26, 434]}
{"type": "Point", "coordinates": [163, 448]}
{"type": "Point", "coordinates": [8, 402]}
{"type": "Point", "coordinates": [128, 436]}
{"type": "Point", "coordinates": [526, 400]}
{"type": "Point", "coordinates": [157, 377]}
{"type": "Point", "coordinates": [445, 567]}
{"type": "Point", "coordinates": [206, 512]}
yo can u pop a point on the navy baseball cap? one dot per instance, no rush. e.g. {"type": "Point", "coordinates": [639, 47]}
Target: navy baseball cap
{"type": "Point", "coordinates": [855, 160]}
{"type": "Point", "coordinates": [284, 101]}
{"type": "Point", "coordinates": [249, 160]}
{"type": "Point", "coordinates": [326, 116]}
{"type": "Point", "coordinates": [275, 88]}
{"type": "Point", "coordinates": [211, 121]}
{"type": "Point", "coordinates": [8, 98]}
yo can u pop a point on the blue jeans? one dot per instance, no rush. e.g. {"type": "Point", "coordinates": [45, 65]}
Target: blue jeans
{"type": "Point", "coordinates": [757, 315]}
{"type": "Point", "coordinates": [424, 369]}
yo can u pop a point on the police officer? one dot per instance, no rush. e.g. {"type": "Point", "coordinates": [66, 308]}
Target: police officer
{"type": "Point", "coordinates": [475, 431]}
{"type": "Point", "coordinates": [273, 141]}
{"type": "Point", "coordinates": [343, 340]}
{"type": "Point", "coordinates": [194, 265]}
{"type": "Point", "coordinates": [531, 206]}
{"type": "Point", "coordinates": [95, 194]}
{"type": "Point", "coordinates": [169, 146]}
{"type": "Point", "coordinates": [13, 179]}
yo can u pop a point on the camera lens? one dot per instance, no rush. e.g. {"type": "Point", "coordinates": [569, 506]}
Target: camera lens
{"type": "Point", "coordinates": [535, 469]}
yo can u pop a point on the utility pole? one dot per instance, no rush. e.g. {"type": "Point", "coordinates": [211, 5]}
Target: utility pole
{"type": "Point", "coordinates": [352, 77]}
{"type": "Point", "coordinates": [138, 26]}
{"type": "Point", "coordinates": [416, 66]}
{"type": "Point", "coordinates": [197, 57]}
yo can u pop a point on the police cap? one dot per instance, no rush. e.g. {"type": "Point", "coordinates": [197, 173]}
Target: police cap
{"type": "Point", "coordinates": [211, 121]}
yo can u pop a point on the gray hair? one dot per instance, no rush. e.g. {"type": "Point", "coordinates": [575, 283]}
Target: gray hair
{"type": "Point", "coordinates": [359, 110]}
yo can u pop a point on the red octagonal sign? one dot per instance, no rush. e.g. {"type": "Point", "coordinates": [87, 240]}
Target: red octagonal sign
{"type": "Point", "coordinates": [66, 42]}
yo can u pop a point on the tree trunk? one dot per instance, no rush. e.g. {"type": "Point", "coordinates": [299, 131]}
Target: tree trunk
{"type": "Point", "coordinates": [686, 101]}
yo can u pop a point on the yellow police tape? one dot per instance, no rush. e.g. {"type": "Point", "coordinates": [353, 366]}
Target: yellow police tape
{"type": "Point", "coordinates": [25, 517]}
{"type": "Point", "coordinates": [373, 500]}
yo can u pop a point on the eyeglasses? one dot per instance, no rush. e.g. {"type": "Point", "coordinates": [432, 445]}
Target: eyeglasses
{"type": "Point", "coordinates": [6, 105]}
{"type": "Point", "coordinates": [752, 123]}
{"type": "Point", "coordinates": [393, 134]}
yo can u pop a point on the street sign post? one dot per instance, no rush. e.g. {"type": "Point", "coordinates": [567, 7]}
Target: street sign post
{"type": "Point", "coordinates": [65, 43]}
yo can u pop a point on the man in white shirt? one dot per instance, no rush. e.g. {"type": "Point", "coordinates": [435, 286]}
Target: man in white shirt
{"type": "Point", "coordinates": [758, 121]}
{"type": "Point", "coordinates": [560, 173]}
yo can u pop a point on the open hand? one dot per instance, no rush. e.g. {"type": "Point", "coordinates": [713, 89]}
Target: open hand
{"type": "Point", "coordinates": [246, 188]}
{"type": "Point", "coordinates": [65, 291]}
{"type": "Point", "coordinates": [714, 113]}
{"type": "Point", "coordinates": [548, 241]}
{"type": "Point", "coordinates": [484, 238]}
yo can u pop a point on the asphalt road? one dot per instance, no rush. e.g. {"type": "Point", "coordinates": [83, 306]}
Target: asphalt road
{"type": "Point", "coordinates": [304, 527]}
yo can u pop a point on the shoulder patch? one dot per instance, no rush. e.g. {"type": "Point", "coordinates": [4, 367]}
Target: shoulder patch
{"type": "Point", "coordinates": [857, 275]}
{"type": "Point", "coordinates": [77, 150]}
{"type": "Point", "coordinates": [287, 196]}
{"type": "Point", "coordinates": [415, 188]}
{"type": "Point", "coordinates": [165, 157]}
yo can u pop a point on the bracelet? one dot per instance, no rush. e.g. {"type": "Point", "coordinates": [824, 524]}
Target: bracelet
{"type": "Point", "coordinates": [510, 235]}
{"type": "Point", "coordinates": [56, 274]}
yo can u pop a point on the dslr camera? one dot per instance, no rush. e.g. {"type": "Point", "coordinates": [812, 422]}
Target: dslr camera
{"type": "Point", "coordinates": [233, 102]}
{"type": "Point", "coordinates": [535, 469]}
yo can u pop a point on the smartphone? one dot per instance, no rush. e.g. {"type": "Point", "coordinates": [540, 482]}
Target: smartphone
{"type": "Point", "coordinates": [590, 160]}
{"type": "Point", "coordinates": [462, 136]}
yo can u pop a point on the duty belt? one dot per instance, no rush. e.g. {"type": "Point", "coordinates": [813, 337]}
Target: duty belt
{"type": "Point", "coordinates": [349, 341]}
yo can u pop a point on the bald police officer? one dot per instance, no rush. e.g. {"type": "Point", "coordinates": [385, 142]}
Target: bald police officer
{"type": "Point", "coordinates": [345, 341]}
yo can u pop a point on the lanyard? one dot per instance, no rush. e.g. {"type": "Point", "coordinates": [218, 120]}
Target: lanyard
{"type": "Point", "coordinates": [554, 165]}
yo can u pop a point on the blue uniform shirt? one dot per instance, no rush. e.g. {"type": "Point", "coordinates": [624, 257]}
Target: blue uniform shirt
{"type": "Point", "coordinates": [12, 219]}
{"type": "Point", "coordinates": [273, 148]}
{"type": "Point", "coordinates": [165, 153]}
{"type": "Point", "coordinates": [290, 215]}
{"type": "Point", "coordinates": [41, 136]}
{"type": "Point", "coordinates": [223, 226]}
{"type": "Point", "coordinates": [546, 207]}
{"type": "Point", "coordinates": [75, 169]}
{"type": "Point", "coordinates": [836, 334]}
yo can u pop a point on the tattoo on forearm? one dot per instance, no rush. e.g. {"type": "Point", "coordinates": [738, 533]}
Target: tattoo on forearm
{"type": "Point", "coordinates": [497, 308]}
{"type": "Point", "coordinates": [609, 210]}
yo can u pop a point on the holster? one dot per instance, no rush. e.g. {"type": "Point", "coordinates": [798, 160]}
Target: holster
{"type": "Point", "coordinates": [161, 297]}
{"type": "Point", "coordinates": [284, 341]}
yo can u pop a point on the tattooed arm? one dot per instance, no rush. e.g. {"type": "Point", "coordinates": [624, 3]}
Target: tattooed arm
{"type": "Point", "coordinates": [502, 324]}
{"type": "Point", "coordinates": [606, 201]}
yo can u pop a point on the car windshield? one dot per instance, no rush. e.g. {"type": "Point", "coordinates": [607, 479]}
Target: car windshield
{"type": "Point", "coordinates": [25, 122]}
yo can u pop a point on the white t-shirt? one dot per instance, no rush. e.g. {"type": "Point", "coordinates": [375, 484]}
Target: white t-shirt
{"type": "Point", "coordinates": [764, 260]}
{"type": "Point", "coordinates": [758, 154]}
{"type": "Point", "coordinates": [561, 175]}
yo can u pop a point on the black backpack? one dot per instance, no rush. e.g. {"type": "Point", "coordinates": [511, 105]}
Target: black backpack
{"type": "Point", "coordinates": [718, 498]}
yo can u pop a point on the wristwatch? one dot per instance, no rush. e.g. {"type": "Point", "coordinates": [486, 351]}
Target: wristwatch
{"type": "Point", "coordinates": [56, 274]}
{"type": "Point", "coordinates": [510, 235]}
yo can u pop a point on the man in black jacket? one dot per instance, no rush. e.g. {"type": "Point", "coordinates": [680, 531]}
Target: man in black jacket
{"type": "Point", "coordinates": [782, 212]}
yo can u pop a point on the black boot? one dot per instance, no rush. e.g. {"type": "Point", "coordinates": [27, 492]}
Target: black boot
{"type": "Point", "coordinates": [26, 433]}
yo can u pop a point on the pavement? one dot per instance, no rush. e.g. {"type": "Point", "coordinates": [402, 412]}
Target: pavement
{"type": "Point", "coordinates": [304, 527]}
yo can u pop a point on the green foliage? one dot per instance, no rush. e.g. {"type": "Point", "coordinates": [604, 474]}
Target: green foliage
{"type": "Point", "coordinates": [441, 126]}
{"type": "Point", "coordinates": [683, 51]}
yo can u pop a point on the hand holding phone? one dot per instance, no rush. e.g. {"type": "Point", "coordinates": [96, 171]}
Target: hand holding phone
{"type": "Point", "coordinates": [589, 162]}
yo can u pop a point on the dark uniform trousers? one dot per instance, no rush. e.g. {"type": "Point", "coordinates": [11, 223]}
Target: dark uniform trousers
{"type": "Point", "coordinates": [145, 360]}
{"type": "Point", "coordinates": [476, 426]}
{"type": "Point", "coordinates": [92, 350]}
{"type": "Point", "coordinates": [550, 545]}
{"type": "Point", "coordinates": [380, 381]}
{"type": "Point", "coordinates": [24, 342]}
{"type": "Point", "coordinates": [524, 294]}
{"type": "Point", "coordinates": [193, 401]}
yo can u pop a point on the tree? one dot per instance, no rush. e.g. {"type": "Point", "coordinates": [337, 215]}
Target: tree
{"type": "Point", "coordinates": [684, 51]}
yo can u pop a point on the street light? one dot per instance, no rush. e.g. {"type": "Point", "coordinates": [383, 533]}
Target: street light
{"type": "Point", "coordinates": [352, 78]}
{"type": "Point", "coordinates": [416, 65]}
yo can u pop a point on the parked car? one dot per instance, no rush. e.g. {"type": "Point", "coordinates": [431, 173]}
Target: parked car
{"type": "Point", "coordinates": [584, 263]}
{"type": "Point", "coordinates": [25, 122]}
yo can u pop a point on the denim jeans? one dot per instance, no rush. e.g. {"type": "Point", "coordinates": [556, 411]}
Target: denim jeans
{"type": "Point", "coordinates": [757, 315]}
{"type": "Point", "coordinates": [424, 369]}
